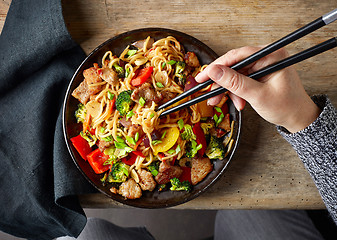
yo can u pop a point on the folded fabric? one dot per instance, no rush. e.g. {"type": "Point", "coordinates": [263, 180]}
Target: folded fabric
{"type": "Point", "coordinates": [39, 182]}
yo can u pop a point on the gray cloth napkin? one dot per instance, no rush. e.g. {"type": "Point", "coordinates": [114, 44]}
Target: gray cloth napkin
{"type": "Point", "coordinates": [38, 180]}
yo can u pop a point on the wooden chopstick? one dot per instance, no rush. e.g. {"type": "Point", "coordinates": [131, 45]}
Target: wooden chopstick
{"type": "Point", "coordinates": [301, 56]}
{"type": "Point", "coordinates": [310, 27]}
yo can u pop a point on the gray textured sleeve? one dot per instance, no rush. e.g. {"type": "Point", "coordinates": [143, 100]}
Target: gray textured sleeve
{"type": "Point", "coordinates": [316, 146]}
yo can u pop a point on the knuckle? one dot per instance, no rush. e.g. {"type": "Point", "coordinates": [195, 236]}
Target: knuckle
{"type": "Point", "coordinates": [234, 83]}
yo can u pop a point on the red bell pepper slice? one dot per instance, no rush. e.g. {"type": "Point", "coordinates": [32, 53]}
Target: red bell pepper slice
{"type": "Point", "coordinates": [81, 145]}
{"type": "Point", "coordinates": [96, 160]}
{"type": "Point", "coordinates": [130, 159]}
{"type": "Point", "coordinates": [142, 76]}
{"type": "Point", "coordinates": [186, 175]}
{"type": "Point", "coordinates": [200, 138]}
{"type": "Point", "coordinates": [139, 153]}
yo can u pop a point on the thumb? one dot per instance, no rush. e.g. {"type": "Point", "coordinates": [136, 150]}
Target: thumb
{"type": "Point", "coordinates": [238, 84]}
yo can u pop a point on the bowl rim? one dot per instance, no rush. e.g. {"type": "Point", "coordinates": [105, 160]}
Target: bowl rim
{"type": "Point", "coordinates": [64, 125]}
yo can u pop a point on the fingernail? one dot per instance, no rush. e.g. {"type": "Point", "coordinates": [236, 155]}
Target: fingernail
{"type": "Point", "coordinates": [216, 73]}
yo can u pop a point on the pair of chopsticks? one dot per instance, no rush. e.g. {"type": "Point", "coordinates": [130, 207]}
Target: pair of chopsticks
{"type": "Point", "coordinates": [309, 28]}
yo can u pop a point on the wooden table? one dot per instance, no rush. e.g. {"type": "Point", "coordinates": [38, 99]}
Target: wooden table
{"type": "Point", "coordinates": [266, 173]}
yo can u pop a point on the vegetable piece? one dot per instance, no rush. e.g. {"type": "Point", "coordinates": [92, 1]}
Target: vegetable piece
{"type": "Point", "coordinates": [192, 149]}
{"type": "Point", "coordinates": [200, 138]}
{"type": "Point", "coordinates": [180, 67]}
{"type": "Point", "coordinates": [86, 123]}
{"type": "Point", "coordinates": [154, 168]}
{"type": "Point", "coordinates": [170, 139]}
{"type": "Point", "coordinates": [186, 175]}
{"type": "Point", "coordinates": [190, 83]}
{"type": "Point", "coordinates": [205, 110]}
{"type": "Point", "coordinates": [123, 102]}
{"type": "Point", "coordinates": [215, 149]}
{"type": "Point", "coordinates": [119, 70]}
{"type": "Point", "coordinates": [96, 160]}
{"type": "Point", "coordinates": [139, 153]}
{"type": "Point", "coordinates": [90, 138]}
{"type": "Point", "coordinates": [130, 159]}
{"type": "Point", "coordinates": [80, 113]}
{"type": "Point", "coordinates": [111, 106]}
{"type": "Point", "coordinates": [81, 145]}
{"type": "Point", "coordinates": [142, 76]}
{"type": "Point", "coordinates": [142, 101]}
{"type": "Point", "coordinates": [188, 133]}
{"type": "Point", "coordinates": [179, 186]}
{"type": "Point", "coordinates": [119, 172]}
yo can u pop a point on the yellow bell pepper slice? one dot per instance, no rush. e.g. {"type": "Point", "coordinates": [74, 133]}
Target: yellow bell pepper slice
{"type": "Point", "coordinates": [171, 137]}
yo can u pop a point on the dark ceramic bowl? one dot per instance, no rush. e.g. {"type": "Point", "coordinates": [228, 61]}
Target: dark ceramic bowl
{"type": "Point", "coordinates": [117, 44]}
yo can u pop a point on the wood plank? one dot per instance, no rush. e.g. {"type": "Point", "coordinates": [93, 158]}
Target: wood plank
{"type": "Point", "coordinates": [266, 172]}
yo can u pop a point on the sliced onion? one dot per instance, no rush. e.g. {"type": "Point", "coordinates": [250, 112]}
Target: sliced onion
{"type": "Point", "coordinates": [190, 83]}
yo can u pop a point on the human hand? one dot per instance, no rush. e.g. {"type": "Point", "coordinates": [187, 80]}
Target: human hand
{"type": "Point", "coordinates": [279, 97]}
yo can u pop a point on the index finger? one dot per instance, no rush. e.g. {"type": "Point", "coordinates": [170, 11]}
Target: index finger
{"type": "Point", "coordinates": [228, 59]}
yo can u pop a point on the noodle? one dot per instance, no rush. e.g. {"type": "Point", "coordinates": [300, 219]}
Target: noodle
{"type": "Point", "coordinates": [140, 131]}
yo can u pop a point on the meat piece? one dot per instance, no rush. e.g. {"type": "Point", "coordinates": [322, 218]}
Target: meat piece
{"type": "Point", "coordinates": [109, 75]}
{"type": "Point", "coordinates": [114, 190]}
{"type": "Point", "coordinates": [167, 172]}
{"type": "Point", "coordinates": [226, 123]}
{"type": "Point", "coordinates": [200, 168]}
{"type": "Point", "coordinates": [125, 123]}
{"type": "Point", "coordinates": [148, 93]}
{"type": "Point", "coordinates": [146, 180]}
{"type": "Point", "coordinates": [134, 128]}
{"type": "Point", "coordinates": [140, 43]}
{"type": "Point", "coordinates": [82, 93]}
{"type": "Point", "coordinates": [167, 96]}
{"type": "Point", "coordinates": [91, 77]}
{"type": "Point", "coordinates": [102, 145]}
{"type": "Point", "coordinates": [130, 189]}
{"type": "Point", "coordinates": [191, 59]}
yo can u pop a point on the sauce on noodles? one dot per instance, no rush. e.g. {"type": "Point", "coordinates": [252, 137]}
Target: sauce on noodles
{"type": "Point", "coordinates": [129, 144]}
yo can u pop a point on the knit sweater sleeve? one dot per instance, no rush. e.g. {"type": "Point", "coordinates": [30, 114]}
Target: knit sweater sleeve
{"type": "Point", "coordinates": [316, 146]}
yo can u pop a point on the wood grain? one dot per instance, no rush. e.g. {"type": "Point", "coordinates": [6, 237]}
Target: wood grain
{"type": "Point", "coordinates": [266, 172]}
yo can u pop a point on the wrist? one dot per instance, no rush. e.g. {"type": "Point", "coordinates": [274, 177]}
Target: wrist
{"type": "Point", "coordinates": [306, 114]}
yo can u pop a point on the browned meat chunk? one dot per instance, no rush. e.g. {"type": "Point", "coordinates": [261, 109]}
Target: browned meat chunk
{"type": "Point", "coordinates": [110, 76]}
{"type": "Point", "coordinates": [226, 123]}
{"type": "Point", "coordinates": [167, 172]}
{"type": "Point", "coordinates": [148, 93]}
{"type": "Point", "coordinates": [146, 180]}
{"type": "Point", "coordinates": [130, 189]}
{"type": "Point", "coordinates": [81, 93]}
{"type": "Point", "coordinates": [125, 123]}
{"type": "Point", "coordinates": [200, 168]}
{"type": "Point", "coordinates": [102, 145]}
{"type": "Point", "coordinates": [114, 190]}
{"type": "Point", "coordinates": [191, 59]}
{"type": "Point", "coordinates": [167, 96]}
{"type": "Point", "coordinates": [134, 128]}
{"type": "Point", "coordinates": [91, 77]}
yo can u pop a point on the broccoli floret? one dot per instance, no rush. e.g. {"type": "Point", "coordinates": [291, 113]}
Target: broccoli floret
{"type": "Point", "coordinates": [123, 102]}
{"type": "Point", "coordinates": [154, 168]}
{"type": "Point", "coordinates": [91, 139]}
{"type": "Point", "coordinates": [180, 67]}
{"type": "Point", "coordinates": [119, 172]}
{"type": "Point", "coordinates": [192, 149]}
{"type": "Point", "coordinates": [80, 113]}
{"type": "Point", "coordinates": [215, 149]}
{"type": "Point", "coordinates": [179, 186]}
{"type": "Point", "coordinates": [188, 133]}
{"type": "Point", "coordinates": [119, 70]}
